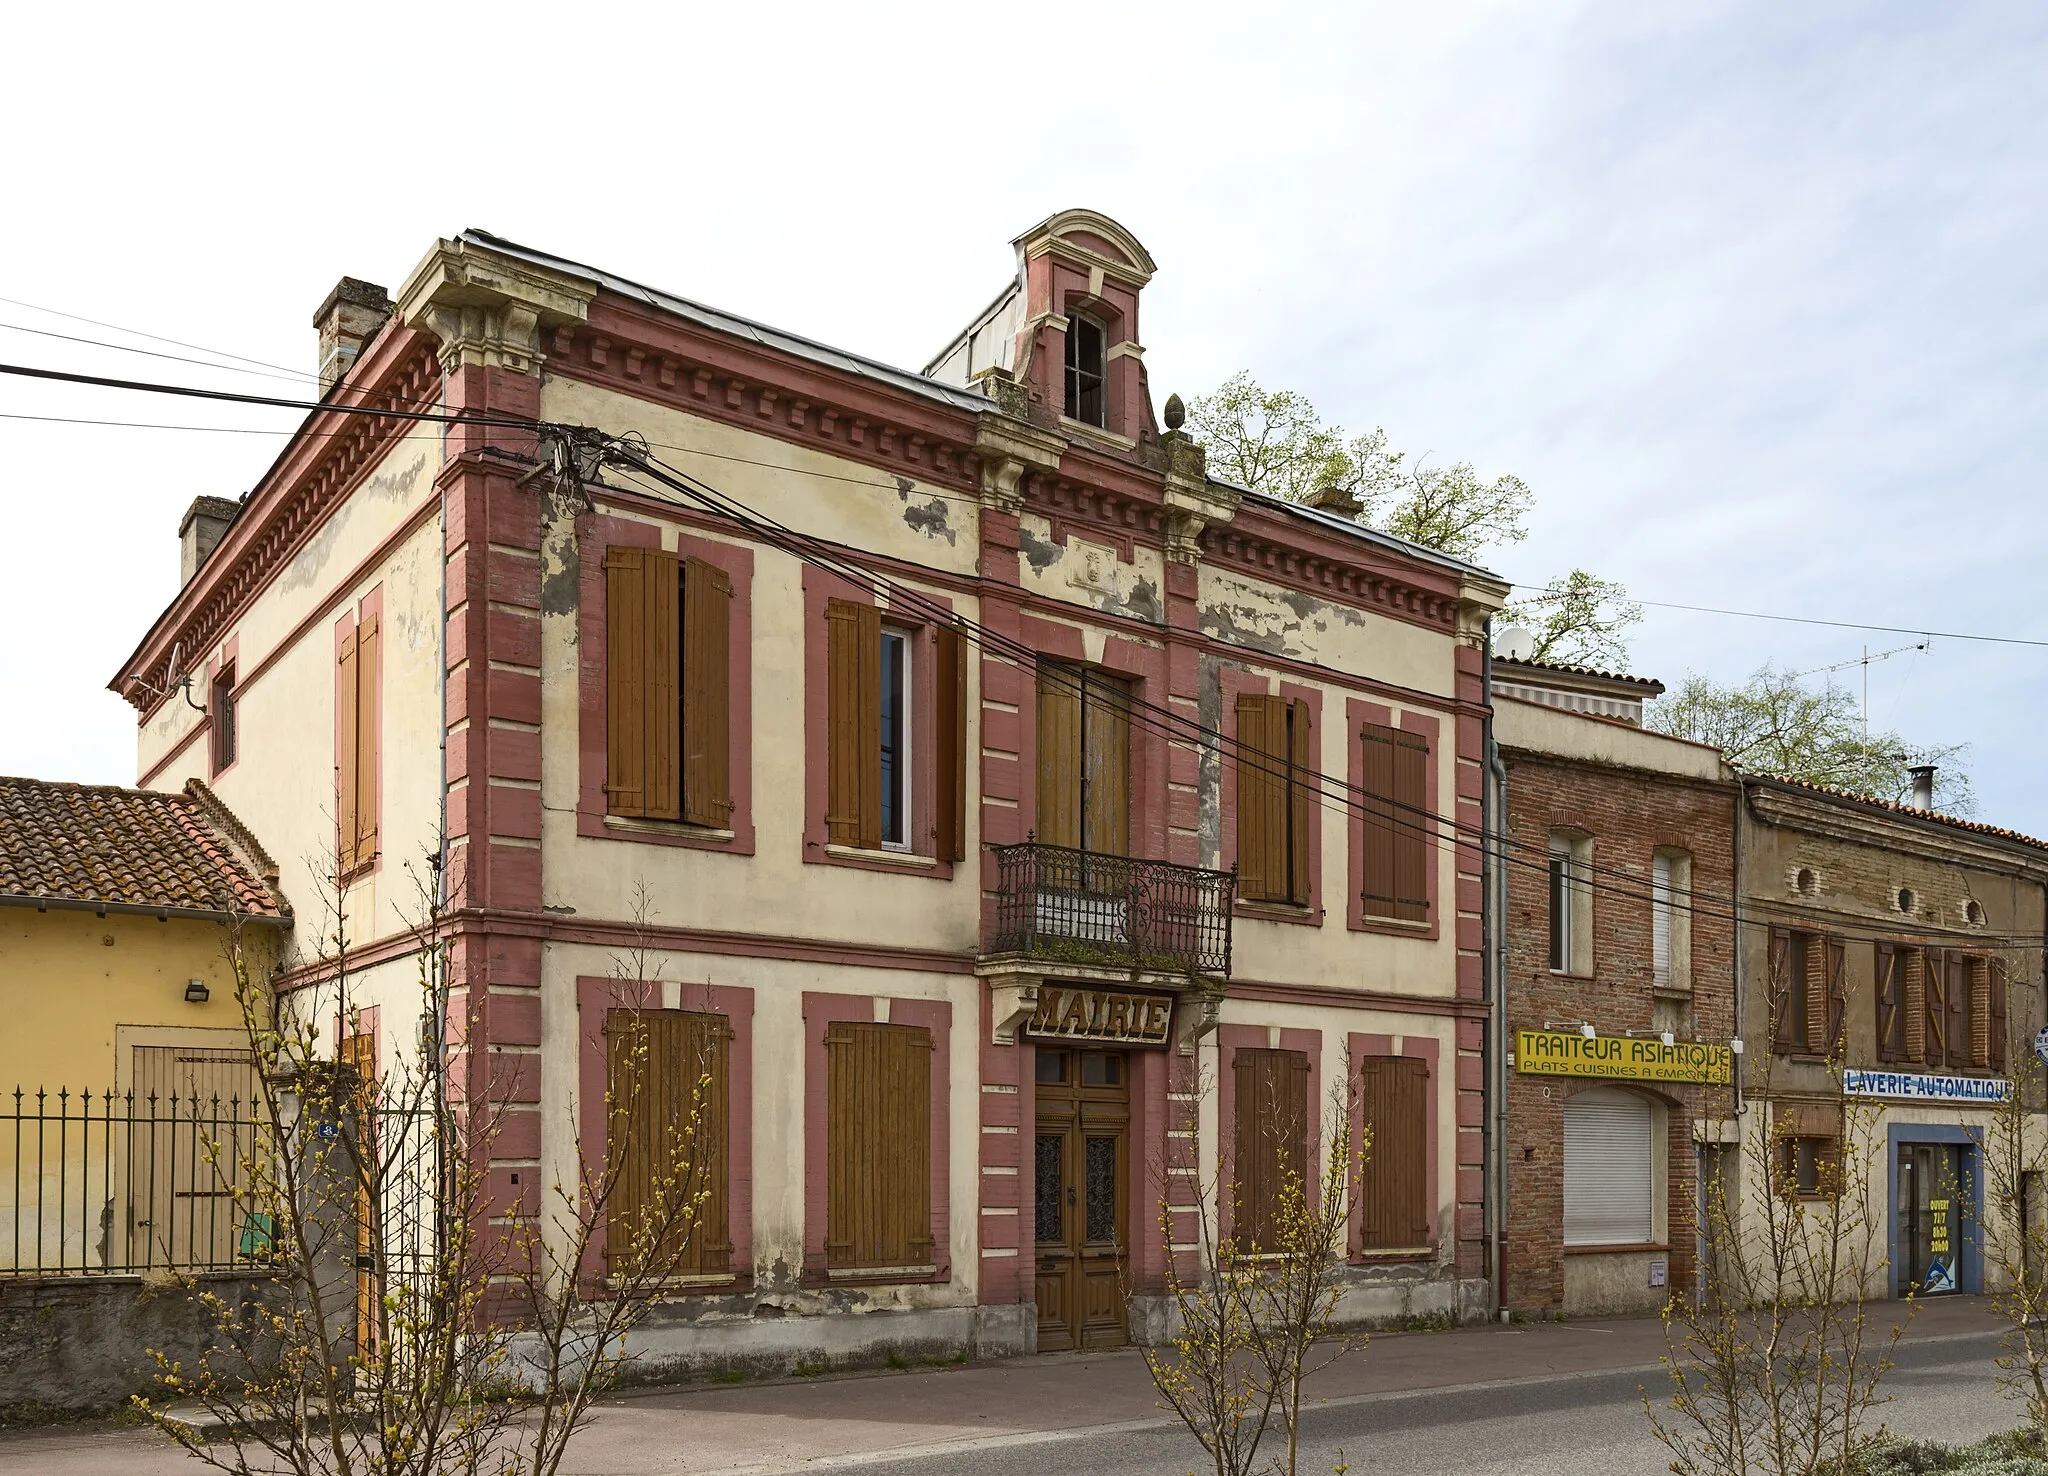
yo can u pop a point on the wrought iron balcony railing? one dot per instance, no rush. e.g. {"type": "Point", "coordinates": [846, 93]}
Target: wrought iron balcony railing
{"type": "Point", "coordinates": [1067, 905]}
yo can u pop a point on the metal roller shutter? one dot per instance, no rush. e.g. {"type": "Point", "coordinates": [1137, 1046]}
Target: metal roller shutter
{"type": "Point", "coordinates": [1608, 1168]}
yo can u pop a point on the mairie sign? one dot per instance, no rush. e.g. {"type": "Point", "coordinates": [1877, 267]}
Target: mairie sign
{"type": "Point", "coordinates": [1567, 1053]}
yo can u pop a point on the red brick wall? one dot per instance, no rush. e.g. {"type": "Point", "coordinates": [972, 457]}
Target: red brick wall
{"type": "Point", "coordinates": [1629, 814]}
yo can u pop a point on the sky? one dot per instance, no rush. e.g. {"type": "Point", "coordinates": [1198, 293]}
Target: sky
{"type": "Point", "coordinates": [1751, 295]}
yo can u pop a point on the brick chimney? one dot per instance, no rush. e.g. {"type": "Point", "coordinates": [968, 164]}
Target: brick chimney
{"type": "Point", "coordinates": [348, 319]}
{"type": "Point", "coordinates": [199, 532]}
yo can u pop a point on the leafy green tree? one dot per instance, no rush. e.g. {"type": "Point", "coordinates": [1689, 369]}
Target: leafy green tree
{"type": "Point", "coordinates": [1771, 724]}
{"type": "Point", "coordinates": [1577, 620]}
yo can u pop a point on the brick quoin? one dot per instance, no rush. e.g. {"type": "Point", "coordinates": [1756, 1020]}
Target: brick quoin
{"type": "Point", "coordinates": [1630, 814]}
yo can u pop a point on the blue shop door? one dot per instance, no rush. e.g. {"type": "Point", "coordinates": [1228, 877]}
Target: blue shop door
{"type": "Point", "coordinates": [1930, 1218]}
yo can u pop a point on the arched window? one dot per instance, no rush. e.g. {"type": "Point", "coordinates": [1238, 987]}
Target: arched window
{"type": "Point", "coordinates": [1610, 1165]}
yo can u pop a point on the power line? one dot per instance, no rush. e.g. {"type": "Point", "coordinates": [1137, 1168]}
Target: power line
{"type": "Point", "coordinates": [235, 397]}
{"type": "Point", "coordinates": [1919, 630]}
{"type": "Point", "coordinates": [152, 337]}
{"type": "Point", "coordinates": [154, 354]}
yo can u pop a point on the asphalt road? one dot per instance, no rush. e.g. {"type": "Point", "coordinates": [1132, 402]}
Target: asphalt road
{"type": "Point", "coordinates": [1571, 1425]}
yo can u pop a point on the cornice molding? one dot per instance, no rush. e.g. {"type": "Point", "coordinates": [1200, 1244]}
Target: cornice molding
{"type": "Point", "coordinates": [487, 309]}
{"type": "Point", "coordinates": [1927, 840]}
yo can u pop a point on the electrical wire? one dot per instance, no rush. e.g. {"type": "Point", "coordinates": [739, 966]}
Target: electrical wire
{"type": "Point", "coordinates": [235, 397]}
{"type": "Point", "coordinates": [154, 354]}
{"type": "Point", "coordinates": [152, 337]}
{"type": "Point", "coordinates": [1919, 630]}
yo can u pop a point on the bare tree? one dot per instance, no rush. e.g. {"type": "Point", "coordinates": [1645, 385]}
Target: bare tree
{"type": "Point", "coordinates": [2015, 1237]}
{"type": "Point", "coordinates": [414, 1319]}
{"type": "Point", "coordinates": [1252, 1311]}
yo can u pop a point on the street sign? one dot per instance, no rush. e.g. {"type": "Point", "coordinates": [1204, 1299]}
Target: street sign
{"type": "Point", "coordinates": [2041, 1044]}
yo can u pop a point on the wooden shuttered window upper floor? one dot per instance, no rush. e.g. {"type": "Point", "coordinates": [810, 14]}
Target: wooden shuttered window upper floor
{"type": "Point", "coordinates": [358, 760]}
{"type": "Point", "coordinates": [1393, 1174]}
{"type": "Point", "coordinates": [1808, 992]}
{"type": "Point", "coordinates": [882, 791]}
{"type": "Point", "coordinates": [668, 687]}
{"type": "Point", "coordinates": [1399, 828]}
{"type": "Point", "coordinates": [1278, 789]}
{"type": "Point", "coordinates": [878, 1195]}
{"type": "Point", "coordinates": [1084, 759]}
{"type": "Point", "coordinates": [1940, 1008]}
{"type": "Point", "coordinates": [667, 1082]}
{"type": "Point", "coordinates": [1269, 1143]}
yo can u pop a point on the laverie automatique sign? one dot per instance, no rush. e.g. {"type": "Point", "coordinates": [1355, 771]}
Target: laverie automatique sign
{"type": "Point", "coordinates": [1567, 1053]}
{"type": "Point", "coordinates": [1913, 1086]}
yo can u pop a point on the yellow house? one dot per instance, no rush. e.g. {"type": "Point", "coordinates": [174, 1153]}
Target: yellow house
{"type": "Point", "coordinates": [122, 1045]}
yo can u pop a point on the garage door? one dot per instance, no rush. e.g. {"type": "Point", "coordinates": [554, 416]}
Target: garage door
{"type": "Point", "coordinates": [1609, 1168]}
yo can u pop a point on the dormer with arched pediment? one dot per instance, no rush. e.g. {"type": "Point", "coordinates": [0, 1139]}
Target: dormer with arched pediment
{"type": "Point", "coordinates": [1067, 329]}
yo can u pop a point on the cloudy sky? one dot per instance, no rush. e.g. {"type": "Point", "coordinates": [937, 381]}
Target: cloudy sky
{"type": "Point", "coordinates": [1751, 294]}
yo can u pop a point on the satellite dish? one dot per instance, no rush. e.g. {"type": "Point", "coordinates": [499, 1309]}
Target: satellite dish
{"type": "Point", "coordinates": [1514, 643]}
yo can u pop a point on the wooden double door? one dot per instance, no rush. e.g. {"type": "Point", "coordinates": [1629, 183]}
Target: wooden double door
{"type": "Point", "coordinates": [1080, 1171]}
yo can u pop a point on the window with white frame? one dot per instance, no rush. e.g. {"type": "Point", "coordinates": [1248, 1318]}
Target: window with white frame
{"type": "Point", "coordinates": [895, 733]}
{"type": "Point", "coordinates": [1671, 919]}
{"type": "Point", "coordinates": [1571, 902]}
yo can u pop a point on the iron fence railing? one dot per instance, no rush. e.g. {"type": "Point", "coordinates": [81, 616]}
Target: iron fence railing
{"type": "Point", "coordinates": [1067, 905]}
{"type": "Point", "coordinates": [107, 1183]}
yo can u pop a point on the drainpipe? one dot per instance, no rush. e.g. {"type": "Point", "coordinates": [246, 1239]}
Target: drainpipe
{"type": "Point", "coordinates": [1494, 913]}
{"type": "Point", "coordinates": [1741, 950]}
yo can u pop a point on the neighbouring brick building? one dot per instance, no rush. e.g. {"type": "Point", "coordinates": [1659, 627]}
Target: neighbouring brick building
{"type": "Point", "coordinates": [1619, 990]}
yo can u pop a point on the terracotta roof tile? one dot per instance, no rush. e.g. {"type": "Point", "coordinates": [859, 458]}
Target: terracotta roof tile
{"type": "Point", "coordinates": [1586, 671]}
{"type": "Point", "coordinates": [132, 848]}
{"type": "Point", "coordinates": [1908, 810]}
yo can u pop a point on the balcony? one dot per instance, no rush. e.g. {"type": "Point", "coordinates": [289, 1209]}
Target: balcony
{"type": "Point", "coordinates": [1059, 906]}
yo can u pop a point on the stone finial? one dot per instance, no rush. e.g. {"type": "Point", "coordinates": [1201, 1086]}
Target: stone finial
{"type": "Point", "coordinates": [1175, 413]}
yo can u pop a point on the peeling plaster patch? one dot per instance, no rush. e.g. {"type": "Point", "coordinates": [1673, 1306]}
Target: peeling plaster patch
{"type": "Point", "coordinates": [387, 486]}
{"type": "Point", "coordinates": [930, 520]}
{"type": "Point", "coordinates": [1209, 784]}
{"type": "Point", "coordinates": [1040, 553]}
{"type": "Point", "coordinates": [1144, 602]}
{"type": "Point", "coordinates": [560, 573]}
{"type": "Point", "coordinates": [1247, 625]}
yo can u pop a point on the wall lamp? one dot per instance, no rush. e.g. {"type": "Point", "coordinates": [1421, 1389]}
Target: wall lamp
{"type": "Point", "coordinates": [1584, 1027]}
{"type": "Point", "coordinates": [196, 991]}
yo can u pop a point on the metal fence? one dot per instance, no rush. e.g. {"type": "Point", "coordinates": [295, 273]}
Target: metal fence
{"type": "Point", "coordinates": [1061, 903]}
{"type": "Point", "coordinates": [107, 1183]}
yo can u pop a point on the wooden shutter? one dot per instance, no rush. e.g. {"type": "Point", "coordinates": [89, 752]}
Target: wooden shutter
{"type": "Point", "coordinates": [1105, 765]}
{"type": "Point", "coordinates": [643, 718]}
{"type": "Point", "coordinates": [369, 755]}
{"type": "Point", "coordinates": [1393, 1182]}
{"type": "Point", "coordinates": [707, 694]}
{"type": "Point", "coordinates": [1303, 794]}
{"type": "Point", "coordinates": [853, 724]}
{"type": "Point", "coordinates": [1891, 1017]}
{"type": "Point", "coordinates": [1980, 1011]}
{"type": "Point", "coordinates": [1782, 1038]}
{"type": "Point", "coordinates": [1377, 872]}
{"type": "Point", "coordinates": [663, 1068]}
{"type": "Point", "coordinates": [878, 1145]}
{"type": "Point", "coordinates": [1059, 755]}
{"type": "Point", "coordinates": [1837, 962]}
{"type": "Point", "coordinates": [1956, 1028]}
{"type": "Point", "coordinates": [1814, 962]}
{"type": "Point", "coordinates": [1935, 1016]}
{"type": "Point", "coordinates": [1269, 1141]}
{"type": "Point", "coordinates": [1412, 828]}
{"type": "Point", "coordinates": [950, 700]}
{"type": "Point", "coordinates": [1913, 1005]}
{"type": "Point", "coordinates": [1261, 797]}
{"type": "Point", "coordinates": [347, 733]}
{"type": "Point", "coordinates": [1999, 1021]}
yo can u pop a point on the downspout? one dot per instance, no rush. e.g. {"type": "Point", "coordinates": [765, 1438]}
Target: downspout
{"type": "Point", "coordinates": [1740, 948]}
{"type": "Point", "coordinates": [1493, 921]}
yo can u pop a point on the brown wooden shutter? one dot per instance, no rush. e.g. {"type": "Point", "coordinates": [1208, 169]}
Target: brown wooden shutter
{"type": "Point", "coordinates": [1412, 828]}
{"type": "Point", "coordinates": [1059, 755]}
{"type": "Point", "coordinates": [347, 733]}
{"type": "Point", "coordinates": [1106, 765]}
{"type": "Point", "coordinates": [1913, 1005]}
{"type": "Point", "coordinates": [643, 717]}
{"type": "Point", "coordinates": [1269, 1141]}
{"type": "Point", "coordinates": [1891, 1018]}
{"type": "Point", "coordinates": [1837, 963]}
{"type": "Point", "coordinates": [878, 1145]}
{"type": "Point", "coordinates": [950, 696]}
{"type": "Point", "coordinates": [1377, 880]}
{"type": "Point", "coordinates": [1935, 1016]}
{"type": "Point", "coordinates": [1782, 1037]}
{"type": "Point", "coordinates": [2000, 1023]}
{"type": "Point", "coordinates": [1261, 797]}
{"type": "Point", "coordinates": [1956, 1030]}
{"type": "Point", "coordinates": [1980, 1011]}
{"type": "Point", "coordinates": [1302, 795]}
{"type": "Point", "coordinates": [666, 1067]}
{"type": "Point", "coordinates": [1814, 963]}
{"type": "Point", "coordinates": [707, 694]}
{"type": "Point", "coordinates": [369, 731]}
{"type": "Point", "coordinates": [853, 702]}
{"type": "Point", "coordinates": [1393, 1181]}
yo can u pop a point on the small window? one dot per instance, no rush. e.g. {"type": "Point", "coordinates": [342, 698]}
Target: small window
{"type": "Point", "coordinates": [1571, 904]}
{"type": "Point", "coordinates": [1808, 1167]}
{"type": "Point", "coordinates": [895, 740]}
{"type": "Point", "coordinates": [1101, 1068]}
{"type": "Point", "coordinates": [1907, 900]}
{"type": "Point", "coordinates": [1052, 1067]}
{"type": "Point", "coordinates": [1806, 883]}
{"type": "Point", "coordinates": [1085, 399]}
{"type": "Point", "coordinates": [1973, 913]}
{"type": "Point", "coordinates": [221, 707]}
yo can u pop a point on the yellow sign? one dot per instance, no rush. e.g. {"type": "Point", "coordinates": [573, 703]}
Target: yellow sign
{"type": "Point", "coordinates": [1111, 1016]}
{"type": "Point", "coordinates": [1567, 1053]}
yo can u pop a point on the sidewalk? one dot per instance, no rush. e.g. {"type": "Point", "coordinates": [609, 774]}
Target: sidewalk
{"type": "Point", "coordinates": [783, 1425]}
